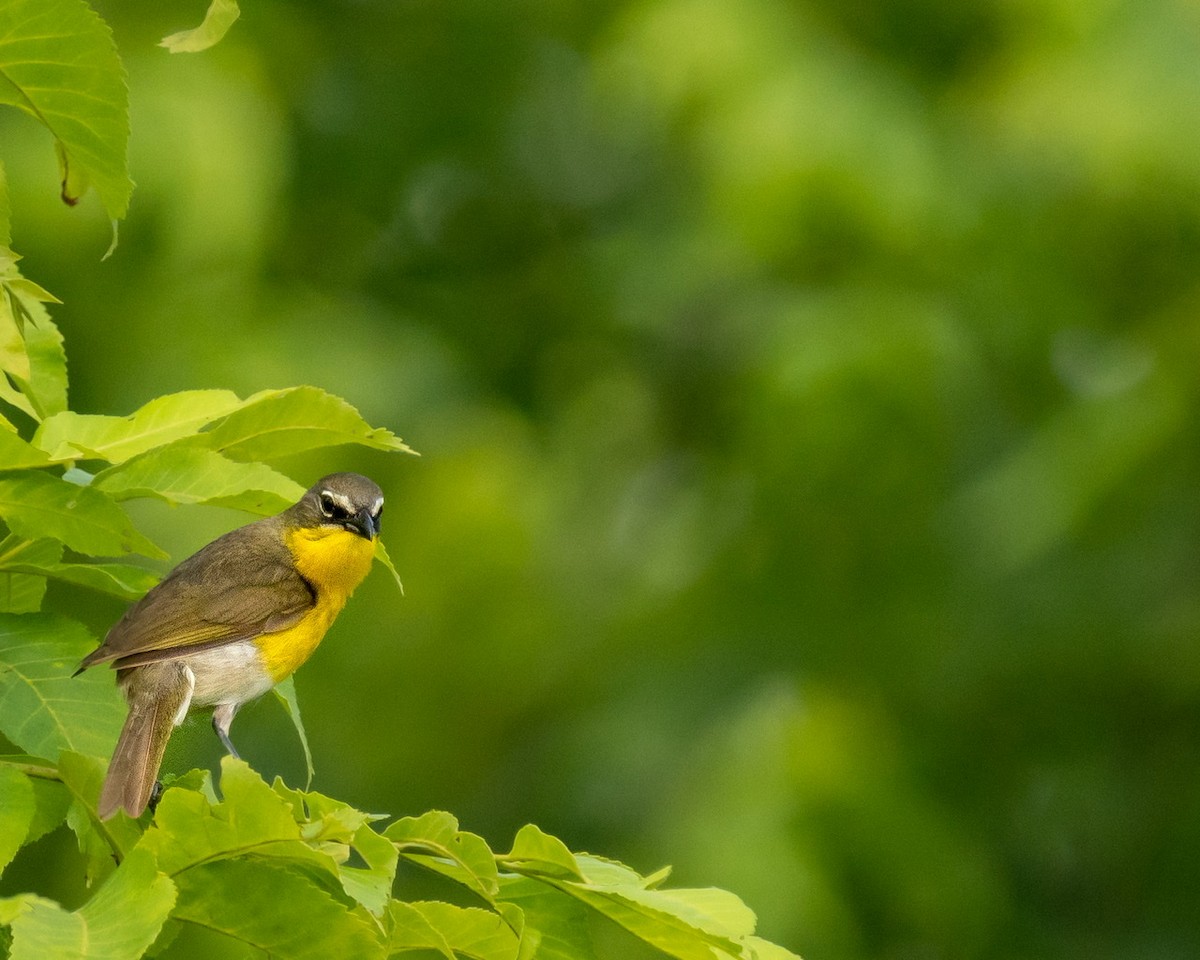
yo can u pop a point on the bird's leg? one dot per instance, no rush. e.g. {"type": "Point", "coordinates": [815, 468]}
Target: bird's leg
{"type": "Point", "coordinates": [222, 718]}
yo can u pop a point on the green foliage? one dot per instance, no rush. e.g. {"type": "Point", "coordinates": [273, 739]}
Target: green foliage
{"type": "Point", "coordinates": [219, 17]}
{"type": "Point", "coordinates": [242, 867]}
{"type": "Point", "coordinates": [58, 64]}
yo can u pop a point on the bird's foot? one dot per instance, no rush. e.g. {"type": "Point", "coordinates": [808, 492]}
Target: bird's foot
{"type": "Point", "coordinates": [156, 793]}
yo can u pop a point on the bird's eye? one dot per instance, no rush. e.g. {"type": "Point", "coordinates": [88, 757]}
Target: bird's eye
{"type": "Point", "coordinates": [330, 507]}
{"type": "Point", "coordinates": [379, 512]}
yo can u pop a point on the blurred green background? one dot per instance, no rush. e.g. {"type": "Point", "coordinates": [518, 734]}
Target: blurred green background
{"type": "Point", "coordinates": [806, 395]}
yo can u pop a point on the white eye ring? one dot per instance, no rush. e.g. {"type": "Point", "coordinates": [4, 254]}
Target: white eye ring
{"type": "Point", "coordinates": [328, 505]}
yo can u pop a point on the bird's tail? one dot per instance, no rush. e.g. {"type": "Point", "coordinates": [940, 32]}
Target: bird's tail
{"type": "Point", "coordinates": [159, 695]}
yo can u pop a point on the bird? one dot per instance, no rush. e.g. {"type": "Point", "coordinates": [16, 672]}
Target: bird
{"type": "Point", "coordinates": [230, 622]}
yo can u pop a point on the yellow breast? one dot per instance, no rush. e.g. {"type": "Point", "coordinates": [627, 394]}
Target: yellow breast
{"type": "Point", "coordinates": [334, 562]}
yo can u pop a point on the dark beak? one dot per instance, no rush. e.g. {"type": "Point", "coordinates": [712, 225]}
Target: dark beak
{"type": "Point", "coordinates": [364, 525]}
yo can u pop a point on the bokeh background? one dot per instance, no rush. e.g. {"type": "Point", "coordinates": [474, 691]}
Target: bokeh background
{"type": "Point", "coordinates": [806, 394]}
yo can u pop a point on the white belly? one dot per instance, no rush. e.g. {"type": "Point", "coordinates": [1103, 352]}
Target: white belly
{"type": "Point", "coordinates": [231, 674]}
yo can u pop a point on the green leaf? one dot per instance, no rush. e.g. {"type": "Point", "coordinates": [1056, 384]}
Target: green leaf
{"type": "Point", "coordinates": [273, 908]}
{"type": "Point", "coordinates": [371, 885]}
{"type": "Point", "coordinates": [14, 358]}
{"type": "Point", "coordinates": [59, 65]}
{"type": "Point", "coordinates": [20, 592]}
{"type": "Point", "coordinates": [285, 693]}
{"type": "Point", "coordinates": [275, 423]}
{"type": "Point", "coordinates": [41, 929]}
{"type": "Point", "coordinates": [76, 436]}
{"type": "Point", "coordinates": [182, 472]}
{"type": "Point", "coordinates": [118, 923]}
{"type": "Point", "coordinates": [765, 950]}
{"type": "Point", "coordinates": [330, 828]}
{"type": "Point", "coordinates": [17, 808]}
{"type": "Point", "coordinates": [98, 839]}
{"type": "Point", "coordinates": [451, 931]}
{"type": "Point", "coordinates": [381, 555]}
{"type": "Point", "coordinates": [410, 929]}
{"type": "Point", "coordinates": [563, 925]}
{"type": "Point", "coordinates": [43, 709]}
{"type": "Point", "coordinates": [46, 387]}
{"type": "Point", "coordinates": [51, 800]}
{"type": "Point", "coordinates": [116, 579]}
{"type": "Point", "coordinates": [31, 350]}
{"type": "Point", "coordinates": [36, 505]}
{"type": "Point", "coordinates": [189, 830]}
{"type": "Point", "coordinates": [220, 17]}
{"type": "Point", "coordinates": [16, 454]}
{"type": "Point", "coordinates": [434, 841]}
{"type": "Point", "coordinates": [535, 852]}
{"type": "Point", "coordinates": [686, 924]}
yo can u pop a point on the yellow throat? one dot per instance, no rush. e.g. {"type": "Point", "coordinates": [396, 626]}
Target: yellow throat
{"type": "Point", "coordinates": [334, 562]}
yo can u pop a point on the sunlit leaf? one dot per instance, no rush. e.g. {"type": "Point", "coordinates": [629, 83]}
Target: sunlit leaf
{"type": "Point", "coordinates": [276, 423]}
{"type": "Point", "coordinates": [59, 65]}
{"type": "Point", "coordinates": [765, 950]}
{"type": "Point", "coordinates": [220, 16]}
{"type": "Point", "coordinates": [14, 359]}
{"type": "Point", "coordinates": [181, 473]}
{"type": "Point", "coordinates": [77, 436]}
{"type": "Point", "coordinates": [116, 579]}
{"type": "Point", "coordinates": [279, 911]}
{"type": "Point", "coordinates": [118, 923]}
{"type": "Point", "coordinates": [36, 505]}
{"type": "Point", "coordinates": [16, 454]}
{"type": "Point", "coordinates": [31, 350]}
{"type": "Point", "coordinates": [381, 555]}
{"type": "Point", "coordinates": [451, 931]}
{"type": "Point", "coordinates": [329, 825]}
{"type": "Point", "coordinates": [43, 709]}
{"type": "Point", "coordinates": [17, 807]}
{"type": "Point", "coordinates": [434, 841]}
{"type": "Point", "coordinates": [188, 829]}
{"type": "Point", "coordinates": [689, 925]}
{"type": "Point", "coordinates": [46, 387]}
{"type": "Point", "coordinates": [564, 926]}
{"type": "Point", "coordinates": [534, 851]}
{"type": "Point", "coordinates": [370, 885]}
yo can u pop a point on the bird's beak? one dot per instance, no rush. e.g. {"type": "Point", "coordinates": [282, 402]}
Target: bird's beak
{"type": "Point", "coordinates": [364, 525]}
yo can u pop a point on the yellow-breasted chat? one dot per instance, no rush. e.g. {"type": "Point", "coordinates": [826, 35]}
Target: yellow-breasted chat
{"type": "Point", "coordinates": [231, 621]}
